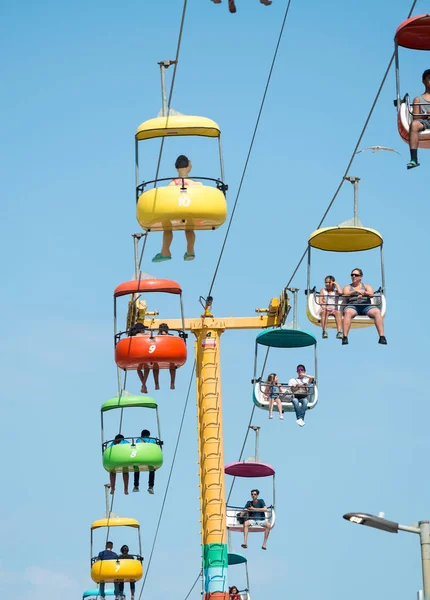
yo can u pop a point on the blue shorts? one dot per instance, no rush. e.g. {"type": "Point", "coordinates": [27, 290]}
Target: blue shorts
{"type": "Point", "coordinates": [360, 309]}
{"type": "Point", "coordinates": [425, 122]}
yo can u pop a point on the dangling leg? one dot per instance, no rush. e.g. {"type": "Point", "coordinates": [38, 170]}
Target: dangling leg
{"type": "Point", "coordinates": [279, 405]}
{"type": "Point", "coordinates": [191, 239]}
{"type": "Point", "coordinates": [156, 373]}
{"type": "Point", "coordinates": [112, 477]}
{"type": "Point", "coordinates": [324, 318]}
{"type": "Point", "coordinates": [165, 250]}
{"type": "Point", "coordinates": [136, 481]}
{"type": "Point", "coordinates": [172, 370]}
{"type": "Point", "coordinates": [338, 319]}
{"type": "Point", "coordinates": [151, 481]}
{"type": "Point", "coordinates": [245, 534]}
{"type": "Point", "coordinates": [231, 6]}
{"type": "Point", "coordinates": [125, 477]}
{"type": "Point", "coordinates": [271, 402]}
{"type": "Point", "coordinates": [376, 315]}
{"type": "Point", "coordinates": [143, 379]}
{"type": "Point", "coordinates": [267, 528]}
{"type": "Point", "coordinates": [348, 315]}
{"type": "Point", "coordinates": [414, 129]}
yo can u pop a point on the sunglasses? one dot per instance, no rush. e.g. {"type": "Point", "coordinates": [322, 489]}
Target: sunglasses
{"type": "Point", "coordinates": [300, 370]}
{"type": "Point", "coordinates": [355, 275]}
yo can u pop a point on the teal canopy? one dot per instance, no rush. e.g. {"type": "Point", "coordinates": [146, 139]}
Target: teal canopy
{"type": "Point", "coordinates": [235, 559]}
{"type": "Point", "coordinates": [129, 401]}
{"type": "Point", "coordinates": [283, 337]}
{"type": "Point", "coordinates": [94, 593]}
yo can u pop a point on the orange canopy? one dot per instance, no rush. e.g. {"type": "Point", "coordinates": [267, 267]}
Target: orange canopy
{"type": "Point", "coordinates": [147, 285]}
{"type": "Point", "coordinates": [414, 33]}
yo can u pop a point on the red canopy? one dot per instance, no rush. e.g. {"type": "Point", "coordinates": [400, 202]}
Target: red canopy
{"type": "Point", "coordinates": [249, 469]}
{"type": "Point", "coordinates": [147, 285]}
{"type": "Point", "coordinates": [414, 33]}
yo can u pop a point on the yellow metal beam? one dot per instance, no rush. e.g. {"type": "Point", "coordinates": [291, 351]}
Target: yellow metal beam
{"type": "Point", "coordinates": [260, 322]}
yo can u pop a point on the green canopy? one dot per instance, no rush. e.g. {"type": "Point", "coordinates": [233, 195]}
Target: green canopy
{"type": "Point", "coordinates": [128, 401]}
{"type": "Point", "coordinates": [235, 559]}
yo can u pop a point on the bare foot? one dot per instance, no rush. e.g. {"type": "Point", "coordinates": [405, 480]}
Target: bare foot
{"type": "Point", "coordinates": [144, 389]}
{"type": "Point", "coordinates": [172, 386]}
{"type": "Point", "coordinates": [112, 491]}
{"type": "Point", "coordinates": [157, 387]}
{"type": "Point", "coordinates": [126, 492]}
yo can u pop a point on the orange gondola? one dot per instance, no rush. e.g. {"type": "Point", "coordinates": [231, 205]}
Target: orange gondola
{"type": "Point", "coordinates": [149, 348]}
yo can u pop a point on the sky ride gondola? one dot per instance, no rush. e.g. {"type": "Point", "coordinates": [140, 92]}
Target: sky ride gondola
{"type": "Point", "coordinates": [414, 34]}
{"type": "Point", "coordinates": [250, 468]}
{"type": "Point", "coordinates": [288, 336]}
{"type": "Point", "coordinates": [164, 207]}
{"type": "Point", "coordinates": [150, 349]}
{"type": "Point", "coordinates": [349, 236]}
{"type": "Point", "coordinates": [136, 455]}
{"type": "Point", "coordinates": [108, 571]}
{"type": "Point", "coordinates": [235, 559]}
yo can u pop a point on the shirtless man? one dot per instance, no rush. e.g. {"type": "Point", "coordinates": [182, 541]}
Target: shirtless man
{"type": "Point", "coordinates": [421, 122]}
{"type": "Point", "coordinates": [183, 166]}
{"type": "Point", "coordinates": [359, 296]}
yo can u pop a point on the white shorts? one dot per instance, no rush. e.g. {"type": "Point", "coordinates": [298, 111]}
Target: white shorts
{"type": "Point", "coordinates": [257, 522]}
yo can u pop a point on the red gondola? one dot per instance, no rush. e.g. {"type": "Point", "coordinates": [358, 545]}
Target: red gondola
{"type": "Point", "coordinates": [148, 348]}
{"type": "Point", "coordinates": [414, 34]}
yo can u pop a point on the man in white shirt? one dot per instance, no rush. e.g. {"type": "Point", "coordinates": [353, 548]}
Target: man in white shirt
{"type": "Point", "coordinates": [299, 388]}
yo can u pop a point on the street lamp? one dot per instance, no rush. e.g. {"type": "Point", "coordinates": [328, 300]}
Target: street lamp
{"type": "Point", "coordinates": [423, 530]}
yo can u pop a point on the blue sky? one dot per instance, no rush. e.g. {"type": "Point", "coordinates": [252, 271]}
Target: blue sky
{"type": "Point", "coordinates": [77, 80]}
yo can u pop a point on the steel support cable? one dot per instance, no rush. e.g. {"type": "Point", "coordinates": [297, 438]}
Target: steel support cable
{"type": "Point", "coordinates": [251, 144]}
{"type": "Point", "coordinates": [168, 479]}
{"type": "Point", "coordinates": [354, 151]}
{"type": "Point", "coordinates": [178, 50]}
{"type": "Point", "coordinates": [194, 584]}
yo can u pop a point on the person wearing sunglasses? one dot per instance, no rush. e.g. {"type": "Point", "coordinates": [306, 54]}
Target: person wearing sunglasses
{"type": "Point", "coordinates": [255, 516]}
{"type": "Point", "coordinates": [329, 300]}
{"type": "Point", "coordinates": [359, 302]}
{"type": "Point", "coordinates": [299, 388]}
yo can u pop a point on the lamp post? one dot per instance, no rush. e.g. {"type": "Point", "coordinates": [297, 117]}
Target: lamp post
{"type": "Point", "coordinates": [423, 530]}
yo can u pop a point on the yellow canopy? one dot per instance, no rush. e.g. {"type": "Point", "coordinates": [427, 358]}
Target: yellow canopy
{"type": "Point", "coordinates": [115, 522]}
{"type": "Point", "coordinates": [344, 238]}
{"type": "Point", "coordinates": [177, 125]}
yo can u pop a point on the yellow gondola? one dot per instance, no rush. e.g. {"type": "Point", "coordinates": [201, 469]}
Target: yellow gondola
{"type": "Point", "coordinates": [108, 571]}
{"type": "Point", "coordinates": [180, 207]}
{"type": "Point", "coordinates": [350, 236]}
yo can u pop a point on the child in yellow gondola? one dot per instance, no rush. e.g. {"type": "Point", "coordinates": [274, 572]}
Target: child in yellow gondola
{"type": "Point", "coordinates": [119, 439]}
{"type": "Point", "coordinates": [183, 166]}
{"type": "Point", "coordinates": [329, 301]}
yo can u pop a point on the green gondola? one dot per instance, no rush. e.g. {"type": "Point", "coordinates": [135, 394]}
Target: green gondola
{"type": "Point", "coordinates": [132, 454]}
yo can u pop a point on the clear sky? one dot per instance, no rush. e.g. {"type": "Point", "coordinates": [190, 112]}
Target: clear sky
{"type": "Point", "coordinates": [77, 79]}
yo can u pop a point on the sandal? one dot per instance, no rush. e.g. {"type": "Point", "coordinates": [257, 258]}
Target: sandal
{"type": "Point", "coordinates": [244, 546]}
{"type": "Point", "coordinates": [160, 258]}
{"type": "Point", "coordinates": [263, 548]}
{"type": "Point", "coordinates": [189, 256]}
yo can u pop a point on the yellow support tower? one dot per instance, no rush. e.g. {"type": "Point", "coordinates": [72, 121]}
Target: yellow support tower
{"type": "Point", "coordinates": [207, 331]}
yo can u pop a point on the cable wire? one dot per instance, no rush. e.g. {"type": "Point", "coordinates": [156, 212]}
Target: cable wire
{"type": "Point", "coordinates": [169, 479]}
{"type": "Point", "coordinates": [178, 50]}
{"type": "Point", "coordinates": [250, 146]}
